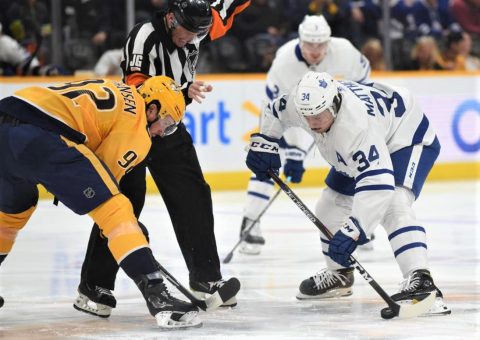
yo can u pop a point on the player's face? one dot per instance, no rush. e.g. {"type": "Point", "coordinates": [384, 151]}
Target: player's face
{"type": "Point", "coordinates": [321, 122]}
{"type": "Point", "coordinates": [163, 127]}
{"type": "Point", "coordinates": [160, 126]}
{"type": "Point", "coordinates": [314, 52]}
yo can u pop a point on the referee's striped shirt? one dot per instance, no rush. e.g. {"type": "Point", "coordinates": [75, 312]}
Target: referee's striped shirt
{"type": "Point", "coordinates": [150, 50]}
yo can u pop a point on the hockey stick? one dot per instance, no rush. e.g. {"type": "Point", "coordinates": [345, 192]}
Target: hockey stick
{"type": "Point", "coordinates": [395, 309]}
{"type": "Point", "coordinates": [224, 293]}
{"type": "Point", "coordinates": [246, 232]}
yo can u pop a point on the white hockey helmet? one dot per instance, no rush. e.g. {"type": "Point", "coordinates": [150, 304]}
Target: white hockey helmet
{"type": "Point", "coordinates": [314, 29]}
{"type": "Point", "coordinates": [316, 92]}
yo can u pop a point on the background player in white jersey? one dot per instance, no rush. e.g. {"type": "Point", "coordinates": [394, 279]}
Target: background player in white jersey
{"type": "Point", "coordinates": [381, 148]}
{"type": "Point", "coordinates": [314, 50]}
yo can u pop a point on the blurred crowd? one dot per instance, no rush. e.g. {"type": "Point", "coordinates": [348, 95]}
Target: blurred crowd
{"type": "Point", "coordinates": [423, 34]}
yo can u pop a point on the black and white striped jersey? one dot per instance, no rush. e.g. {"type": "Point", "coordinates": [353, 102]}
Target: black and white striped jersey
{"type": "Point", "coordinates": [150, 50]}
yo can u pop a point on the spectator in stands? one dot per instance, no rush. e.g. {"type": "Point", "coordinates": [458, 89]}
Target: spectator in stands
{"type": "Point", "coordinates": [28, 22]}
{"type": "Point", "coordinates": [427, 17]}
{"type": "Point", "coordinates": [26, 19]}
{"type": "Point", "coordinates": [373, 51]}
{"type": "Point", "coordinates": [109, 62]}
{"type": "Point", "coordinates": [262, 28]}
{"type": "Point", "coordinates": [337, 13]}
{"type": "Point", "coordinates": [472, 63]}
{"type": "Point", "coordinates": [366, 15]}
{"type": "Point", "coordinates": [15, 60]}
{"type": "Point", "coordinates": [456, 55]}
{"type": "Point", "coordinates": [467, 14]}
{"type": "Point", "coordinates": [425, 55]}
{"type": "Point", "coordinates": [296, 9]}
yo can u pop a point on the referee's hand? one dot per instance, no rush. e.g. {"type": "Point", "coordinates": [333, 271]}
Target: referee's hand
{"type": "Point", "coordinates": [196, 90]}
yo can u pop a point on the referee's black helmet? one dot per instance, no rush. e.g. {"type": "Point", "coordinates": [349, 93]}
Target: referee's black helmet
{"type": "Point", "coordinates": [193, 15]}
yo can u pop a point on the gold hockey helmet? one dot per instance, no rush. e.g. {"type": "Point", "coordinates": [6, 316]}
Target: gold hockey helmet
{"type": "Point", "coordinates": [164, 92]}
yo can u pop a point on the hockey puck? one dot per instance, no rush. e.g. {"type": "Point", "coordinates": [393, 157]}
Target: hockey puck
{"type": "Point", "coordinates": [387, 313]}
{"type": "Point", "coordinates": [1, 302]}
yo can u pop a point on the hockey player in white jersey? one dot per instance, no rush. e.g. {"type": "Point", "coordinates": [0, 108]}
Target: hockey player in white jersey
{"type": "Point", "coordinates": [381, 148]}
{"type": "Point", "coordinates": [314, 50]}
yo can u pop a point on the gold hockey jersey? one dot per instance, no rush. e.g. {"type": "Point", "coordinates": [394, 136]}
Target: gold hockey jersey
{"type": "Point", "coordinates": [107, 116]}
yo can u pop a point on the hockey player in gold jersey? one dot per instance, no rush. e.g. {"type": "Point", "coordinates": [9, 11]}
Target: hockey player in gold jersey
{"type": "Point", "coordinates": [78, 139]}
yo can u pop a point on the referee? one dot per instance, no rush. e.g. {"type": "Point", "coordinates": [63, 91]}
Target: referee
{"type": "Point", "coordinates": [168, 45]}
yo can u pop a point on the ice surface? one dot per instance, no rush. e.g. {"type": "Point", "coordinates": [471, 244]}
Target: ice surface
{"type": "Point", "coordinates": [39, 278]}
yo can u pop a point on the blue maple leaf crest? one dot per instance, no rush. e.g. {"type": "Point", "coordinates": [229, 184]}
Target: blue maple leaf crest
{"type": "Point", "coordinates": [322, 83]}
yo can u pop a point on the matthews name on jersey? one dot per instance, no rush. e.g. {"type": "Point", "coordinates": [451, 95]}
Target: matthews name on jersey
{"type": "Point", "coordinates": [108, 117]}
{"type": "Point", "coordinates": [373, 122]}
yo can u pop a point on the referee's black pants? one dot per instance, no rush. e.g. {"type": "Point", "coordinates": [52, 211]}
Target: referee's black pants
{"type": "Point", "coordinates": [174, 166]}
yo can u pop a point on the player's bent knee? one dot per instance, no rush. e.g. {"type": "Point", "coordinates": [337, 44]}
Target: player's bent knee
{"type": "Point", "coordinates": [333, 208]}
{"type": "Point", "coordinates": [118, 223]}
{"type": "Point", "coordinates": [10, 225]}
{"type": "Point", "coordinates": [400, 212]}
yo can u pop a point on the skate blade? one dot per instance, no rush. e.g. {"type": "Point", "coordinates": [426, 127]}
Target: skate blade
{"type": "Point", "coordinates": [416, 308]}
{"type": "Point", "coordinates": [84, 304]}
{"type": "Point", "coordinates": [188, 320]}
{"type": "Point", "coordinates": [438, 308]}
{"type": "Point", "coordinates": [250, 248]}
{"type": "Point", "coordinates": [334, 293]}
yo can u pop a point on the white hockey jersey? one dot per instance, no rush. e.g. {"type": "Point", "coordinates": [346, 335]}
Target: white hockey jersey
{"type": "Point", "coordinates": [342, 60]}
{"type": "Point", "coordinates": [372, 123]}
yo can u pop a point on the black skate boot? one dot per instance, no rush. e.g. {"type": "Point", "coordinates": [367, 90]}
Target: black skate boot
{"type": "Point", "coordinates": [201, 290]}
{"type": "Point", "coordinates": [94, 300]}
{"type": "Point", "coordinates": [169, 311]}
{"type": "Point", "coordinates": [327, 284]}
{"type": "Point", "coordinates": [417, 287]}
{"type": "Point", "coordinates": [252, 245]}
{"type": "Point", "coordinates": [1, 302]}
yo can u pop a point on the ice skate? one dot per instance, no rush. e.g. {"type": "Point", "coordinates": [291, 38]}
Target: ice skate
{"type": "Point", "coordinates": [202, 290]}
{"type": "Point", "coordinates": [94, 300]}
{"type": "Point", "coordinates": [169, 311]}
{"type": "Point", "coordinates": [252, 245]}
{"type": "Point", "coordinates": [416, 287]}
{"type": "Point", "coordinates": [327, 284]}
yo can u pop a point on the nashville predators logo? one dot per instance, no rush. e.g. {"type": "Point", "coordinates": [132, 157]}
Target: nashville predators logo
{"type": "Point", "coordinates": [89, 192]}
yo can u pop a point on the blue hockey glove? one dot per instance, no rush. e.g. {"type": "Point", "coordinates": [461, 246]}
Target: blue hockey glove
{"type": "Point", "coordinates": [263, 155]}
{"type": "Point", "coordinates": [293, 167]}
{"type": "Point", "coordinates": [345, 241]}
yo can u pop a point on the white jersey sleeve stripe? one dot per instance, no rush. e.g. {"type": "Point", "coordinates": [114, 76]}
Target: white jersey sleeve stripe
{"type": "Point", "coordinates": [375, 187]}
{"type": "Point", "coordinates": [373, 173]}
